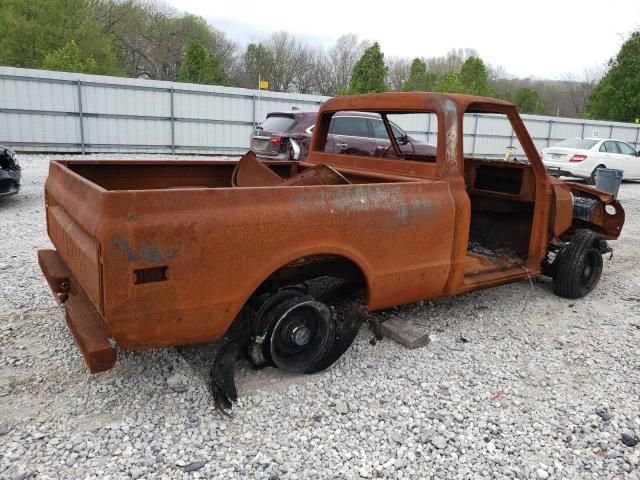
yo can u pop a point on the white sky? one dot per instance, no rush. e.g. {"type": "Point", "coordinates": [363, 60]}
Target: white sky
{"type": "Point", "coordinates": [542, 38]}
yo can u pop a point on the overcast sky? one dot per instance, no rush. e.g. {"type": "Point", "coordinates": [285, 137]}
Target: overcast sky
{"type": "Point", "coordinates": [543, 39]}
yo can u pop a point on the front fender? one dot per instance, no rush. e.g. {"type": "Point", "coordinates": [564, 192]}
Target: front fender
{"type": "Point", "coordinates": [590, 208]}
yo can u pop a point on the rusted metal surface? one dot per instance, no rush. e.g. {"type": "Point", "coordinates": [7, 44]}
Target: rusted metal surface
{"type": "Point", "coordinates": [169, 252]}
{"type": "Point", "coordinates": [83, 320]}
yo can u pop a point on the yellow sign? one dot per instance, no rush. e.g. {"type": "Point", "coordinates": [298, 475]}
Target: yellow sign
{"type": "Point", "coordinates": [264, 85]}
{"type": "Point", "coordinates": [637, 120]}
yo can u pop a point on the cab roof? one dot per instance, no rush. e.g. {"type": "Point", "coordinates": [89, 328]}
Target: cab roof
{"type": "Point", "coordinates": [414, 101]}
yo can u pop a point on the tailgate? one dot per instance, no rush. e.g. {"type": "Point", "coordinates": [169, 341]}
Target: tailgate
{"type": "Point", "coordinates": [73, 214]}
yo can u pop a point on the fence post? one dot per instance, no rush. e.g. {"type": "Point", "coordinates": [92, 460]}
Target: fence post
{"type": "Point", "coordinates": [610, 130]}
{"type": "Point", "coordinates": [475, 134]}
{"type": "Point", "coordinates": [549, 133]}
{"type": "Point", "coordinates": [173, 123]}
{"type": "Point", "coordinates": [80, 118]}
{"type": "Point", "coordinates": [637, 136]}
{"type": "Point", "coordinates": [428, 126]}
{"type": "Point", "coordinates": [584, 125]}
{"type": "Point", "coordinates": [253, 105]}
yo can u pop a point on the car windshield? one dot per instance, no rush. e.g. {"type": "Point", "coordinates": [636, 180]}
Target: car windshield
{"type": "Point", "coordinates": [580, 143]}
{"type": "Point", "coordinates": [278, 123]}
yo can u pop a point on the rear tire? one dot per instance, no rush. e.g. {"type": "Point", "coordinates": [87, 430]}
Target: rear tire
{"type": "Point", "coordinates": [301, 331]}
{"type": "Point", "coordinates": [578, 266]}
{"type": "Point", "coordinates": [594, 175]}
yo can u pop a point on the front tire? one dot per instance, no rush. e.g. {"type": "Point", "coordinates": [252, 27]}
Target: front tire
{"type": "Point", "coordinates": [578, 266]}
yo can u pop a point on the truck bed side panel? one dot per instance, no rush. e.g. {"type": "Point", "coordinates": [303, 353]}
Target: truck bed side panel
{"type": "Point", "coordinates": [73, 215]}
{"type": "Point", "coordinates": [208, 250]}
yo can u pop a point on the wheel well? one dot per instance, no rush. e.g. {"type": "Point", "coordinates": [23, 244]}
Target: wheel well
{"type": "Point", "coordinates": [312, 267]}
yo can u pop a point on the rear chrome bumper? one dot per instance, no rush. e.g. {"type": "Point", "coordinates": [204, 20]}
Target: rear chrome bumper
{"type": "Point", "coordinates": [85, 323]}
{"type": "Point", "coordinates": [275, 156]}
{"type": "Point", "coordinates": [567, 169]}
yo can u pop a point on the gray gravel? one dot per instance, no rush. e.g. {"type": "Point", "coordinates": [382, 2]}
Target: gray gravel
{"type": "Point", "coordinates": [543, 387]}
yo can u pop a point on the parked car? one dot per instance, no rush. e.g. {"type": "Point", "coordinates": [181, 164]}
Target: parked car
{"type": "Point", "coordinates": [9, 172]}
{"type": "Point", "coordinates": [283, 136]}
{"type": "Point", "coordinates": [287, 136]}
{"type": "Point", "coordinates": [582, 157]}
{"type": "Point", "coordinates": [161, 253]}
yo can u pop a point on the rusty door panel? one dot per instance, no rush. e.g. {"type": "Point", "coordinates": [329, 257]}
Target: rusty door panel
{"type": "Point", "coordinates": [219, 245]}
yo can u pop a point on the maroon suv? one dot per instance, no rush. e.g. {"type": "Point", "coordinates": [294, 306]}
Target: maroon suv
{"type": "Point", "coordinates": [287, 136]}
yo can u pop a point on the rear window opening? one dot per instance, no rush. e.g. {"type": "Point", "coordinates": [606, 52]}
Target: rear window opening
{"type": "Point", "coordinates": [406, 136]}
{"type": "Point", "coordinates": [580, 143]}
{"type": "Point", "coordinates": [278, 123]}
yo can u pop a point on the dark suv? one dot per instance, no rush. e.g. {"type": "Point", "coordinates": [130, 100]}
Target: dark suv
{"type": "Point", "coordinates": [9, 172]}
{"type": "Point", "coordinates": [283, 136]}
{"type": "Point", "coordinates": [287, 136]}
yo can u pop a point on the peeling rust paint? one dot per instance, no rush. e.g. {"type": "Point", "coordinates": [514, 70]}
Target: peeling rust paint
{"type": "Point", "coordinates": [144, 252]}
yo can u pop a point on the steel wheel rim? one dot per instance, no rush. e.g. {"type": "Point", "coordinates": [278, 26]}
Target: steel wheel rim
{"type": "Point", "coordinates": [301, 335]}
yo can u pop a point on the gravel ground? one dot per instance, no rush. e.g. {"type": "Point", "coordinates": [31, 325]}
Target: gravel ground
{"type": "Point", "coordinates": [517, 383]}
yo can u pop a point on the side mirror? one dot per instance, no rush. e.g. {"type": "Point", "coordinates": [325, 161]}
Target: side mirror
{"type": "Point", "coordinates": [402, 139]}
{"type": "Point", "coordinates": [638, 153]}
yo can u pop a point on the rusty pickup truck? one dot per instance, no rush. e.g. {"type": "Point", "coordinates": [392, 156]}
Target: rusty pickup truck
{"type": "Point", "coordinates": [164, 253]}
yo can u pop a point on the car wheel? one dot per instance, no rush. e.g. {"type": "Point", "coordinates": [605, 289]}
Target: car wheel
{"type": "Point", "coordinates": [578, 266]}
{"type": "Point", "coordinates": [594, 175]}
{"type": "Point", "coordinates": [300, 334]}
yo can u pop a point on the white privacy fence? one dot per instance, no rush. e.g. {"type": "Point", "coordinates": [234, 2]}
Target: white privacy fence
{"type": "Point", "coordinates": [67, 112]}
{"type": "Point", "coordinates": [64, 112]}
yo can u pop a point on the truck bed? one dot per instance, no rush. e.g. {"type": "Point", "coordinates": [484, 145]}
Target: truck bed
{"type": "Point", "coordinates": [167, 252]}
{"type": "Point", "coordinates": [159, 175]}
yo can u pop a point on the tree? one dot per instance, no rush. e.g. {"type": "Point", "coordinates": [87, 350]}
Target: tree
{"type": "Point", "coordinates": [451, 62]}
{"type": "Point", "coordinates": [398, 72]}
{"type": "Point", "coordinates": [449, 83]}
{"type": "Point", "coordinates": [154, 37]}
{"type": "Point", "coordinates": [369, 72]}
{"type": "Point", "coordinates": [307, 78]}
{"type": "Point", "coordinates": [200, 66]}
{"type": "Point", "coordinates": [528, 101]}
{"type": "Point", "coordinates": [30, 30]}
{"type": "Point", "coordinates": [579, 88]}
{"type": "Point", "coordinates": [617, 95]}
{"type": "Point", "coordinates": [474, 78]}
{"type": "Point", "coordinates": [341, 59]}
{"type": "Point", "coordinates": [284, 49]}
{"type": "Point", "coordinates": [68, 59]}
{"type": "Point", "coordinates": [419, 78]}
{"type": "Point", "coordinates": [257, 63]}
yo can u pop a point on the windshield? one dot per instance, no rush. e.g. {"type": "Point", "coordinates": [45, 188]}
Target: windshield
{"type": "Point", "coordinates": [278, 123]}
{"type": "Point", "coordinates": [581, 143]}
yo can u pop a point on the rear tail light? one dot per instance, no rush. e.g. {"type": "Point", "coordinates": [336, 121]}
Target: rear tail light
{"type": "Point", "coordinates": [275, 139]}
{"type": "Point", "coordinates": [578, 158]}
